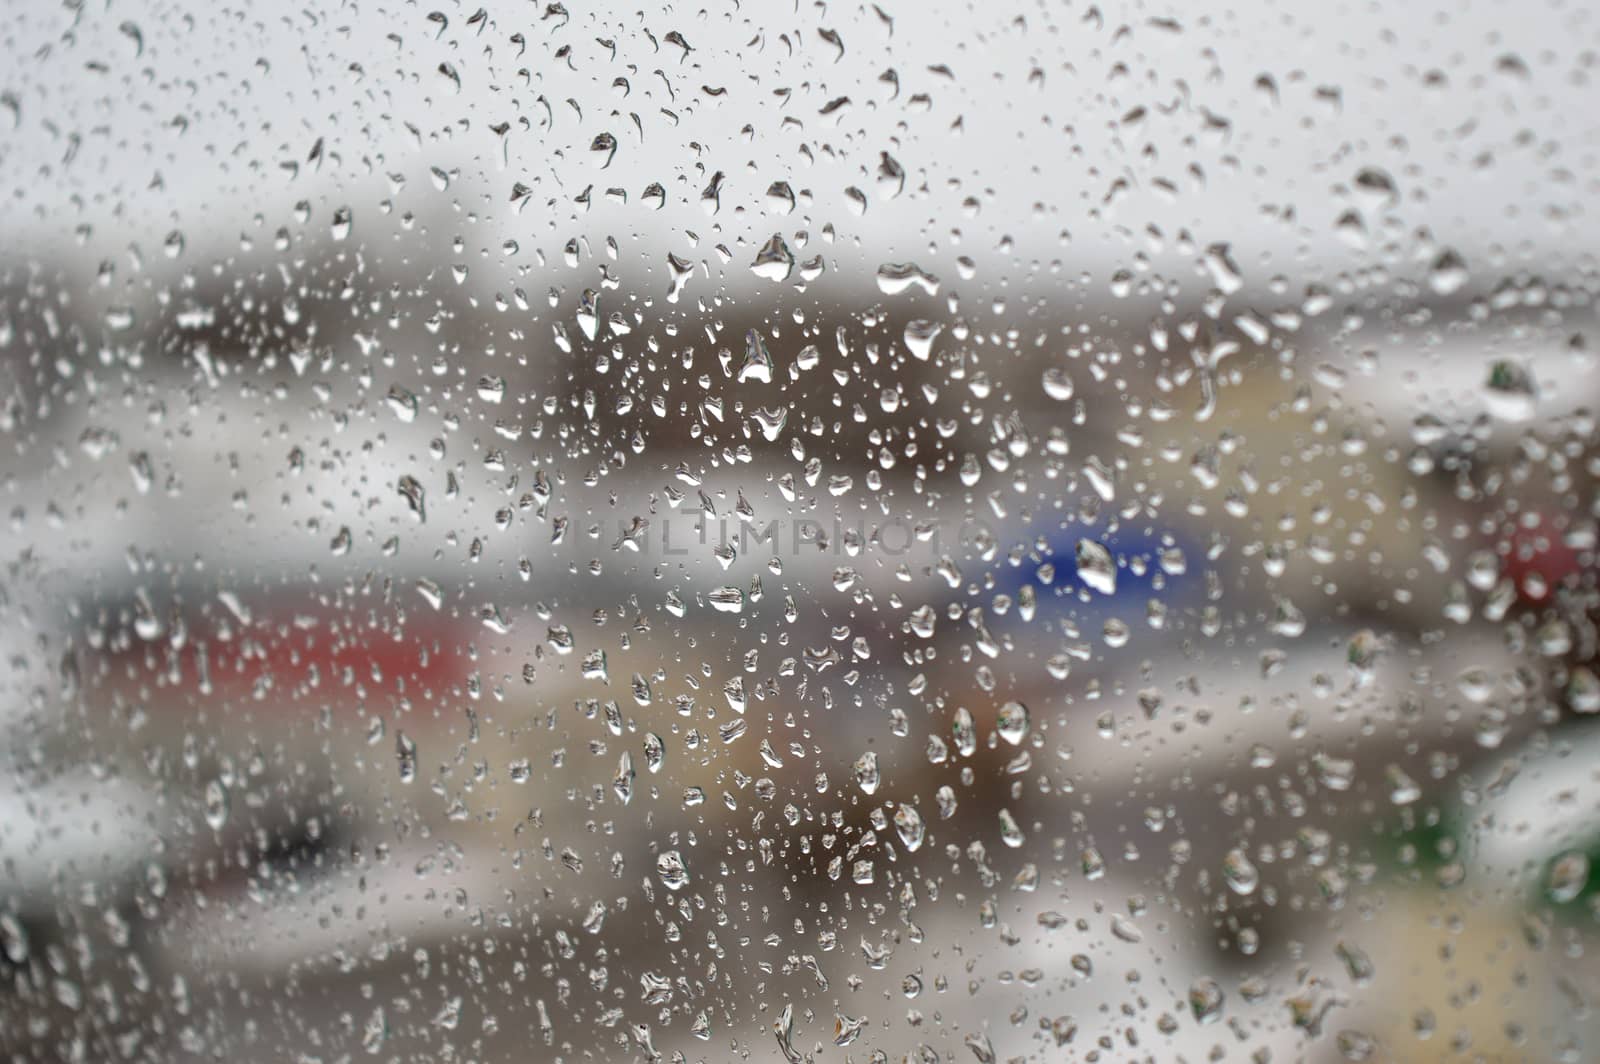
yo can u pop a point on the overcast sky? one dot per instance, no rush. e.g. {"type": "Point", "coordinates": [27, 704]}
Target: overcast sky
{"type": "Point", "coordinates": [1068, 129]}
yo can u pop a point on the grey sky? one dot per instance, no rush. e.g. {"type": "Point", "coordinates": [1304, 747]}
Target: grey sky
{"type": "Point", "coordinates": [222, 103]}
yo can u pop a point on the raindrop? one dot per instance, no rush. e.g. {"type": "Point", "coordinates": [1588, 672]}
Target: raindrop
{"type": "Point", "coordinates": [671, 870]}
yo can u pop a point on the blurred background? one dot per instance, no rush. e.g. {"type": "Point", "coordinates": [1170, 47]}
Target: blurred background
{"type": "Point", "coordinates": [1043, 533]}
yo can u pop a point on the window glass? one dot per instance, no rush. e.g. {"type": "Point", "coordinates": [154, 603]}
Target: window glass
{"type": "Point", "coordinates": [804, 532]}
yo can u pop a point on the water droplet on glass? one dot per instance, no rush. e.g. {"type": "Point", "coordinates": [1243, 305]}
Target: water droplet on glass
{"type": "Point", "coordinates": [1013, 722]}
{"type": "Point", "coordinates": [671, 870]}
{"type": "Point", "coordinates": [908, 824]}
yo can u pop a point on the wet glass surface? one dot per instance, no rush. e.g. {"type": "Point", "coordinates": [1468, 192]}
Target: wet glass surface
{"type": "Point", "coordinates": [934, 533]}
